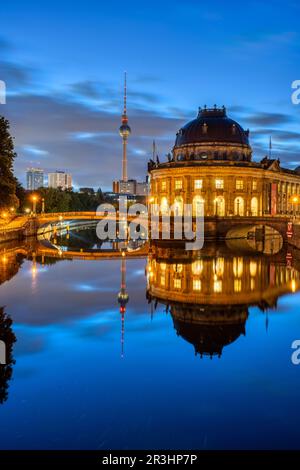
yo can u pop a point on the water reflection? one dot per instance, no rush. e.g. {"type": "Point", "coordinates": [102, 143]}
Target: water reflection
{"type": "Point", "coordinates": [208, 293]}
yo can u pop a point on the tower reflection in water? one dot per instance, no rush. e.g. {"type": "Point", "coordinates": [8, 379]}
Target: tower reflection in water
{"type": "Point", "coordinates": [209, 293]}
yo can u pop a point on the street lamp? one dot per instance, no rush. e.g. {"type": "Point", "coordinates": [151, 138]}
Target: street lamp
{"type": "Point", "coordinates": [34, 200]}
{"type": "Point", "coordinates": [43, 205]}
{"type": "Point", "coordinates": [295, 201]}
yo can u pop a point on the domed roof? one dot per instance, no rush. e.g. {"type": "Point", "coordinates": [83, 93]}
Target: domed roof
{"type": "Point", "coordinates": [209, 339]}
{"type": "Point", "coordinates": [212, 125]}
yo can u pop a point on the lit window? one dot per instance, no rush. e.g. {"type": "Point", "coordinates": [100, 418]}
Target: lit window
{"type": "Point", "coordinates": [238, 266]}
{"type": "Point", "coordinates": [237, 285]}
{"type": "Point", "coordinates": [196, 284]}
{"type": "Point", "coordinates": [253, 268]}
{"type": "Point", "coordinates": [217, 286]}
{"type": "Point", "coordinates": [218, 266]}
{"type": "Point", "coordinates": [163, 185]}
{"type": "Point", "coordinates": [178, 268]}
{"type": "Point", "coordinates": [239, 184]}
{"type": "Point", "coordinates": [178, 184]}
{"type": "Point", "coordinates": [219, 184]}
{"type": "Point", "coordinates": [163, 280]}
{"type": "Point", "coordinates": [198, 184]}
{"type": "Point", "coordinates": [177, 283]}
{"type": "Point", "coordinates": [254, 185]}
{"type": "Point", "coordinates": [197, 267]}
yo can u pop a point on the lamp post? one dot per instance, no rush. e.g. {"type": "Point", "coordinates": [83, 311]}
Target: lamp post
{"type": "Point", "coordinates": [295, 201]}
{"type": "Point", "coordinates": [34, 200]}
{"type": "Point", "coordinates": [43, 205]}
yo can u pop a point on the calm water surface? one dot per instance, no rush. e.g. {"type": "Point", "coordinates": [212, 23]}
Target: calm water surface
{"type": "Point", "coordinates": [200, 358]}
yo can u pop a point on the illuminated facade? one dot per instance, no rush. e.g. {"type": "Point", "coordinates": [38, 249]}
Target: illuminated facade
{"type": "Point", "coordinates": [211, 168]}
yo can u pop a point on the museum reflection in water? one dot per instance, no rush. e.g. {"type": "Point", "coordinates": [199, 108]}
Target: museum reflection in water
{"type": "Point", "coordinates": [207, 293]}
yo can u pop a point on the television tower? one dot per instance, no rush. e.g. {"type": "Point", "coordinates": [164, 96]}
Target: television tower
{"type": "Point", "coordinates": [125, 132]}
{"type": "Point", "coordinates": [123, 298]}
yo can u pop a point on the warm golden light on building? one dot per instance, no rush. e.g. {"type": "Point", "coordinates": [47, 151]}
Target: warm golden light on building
{"type": "Point", "coordinates": [212, 156]}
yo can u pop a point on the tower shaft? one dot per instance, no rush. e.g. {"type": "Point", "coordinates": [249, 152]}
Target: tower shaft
{"type": "Point", "coordinates": [124, 160]}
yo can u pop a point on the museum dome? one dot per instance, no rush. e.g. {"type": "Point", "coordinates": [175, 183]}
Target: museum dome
{"type": "Point", "coordinates": [209, 328]}
{"type": "Point", "coordinates": [212, 136]}
{"type": "Point", "coordinates": [212, 125]}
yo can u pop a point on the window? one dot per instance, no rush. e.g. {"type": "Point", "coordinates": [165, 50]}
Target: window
{"type": "Point", "coordinates": [237, 286]}
{"type": "Point", "coordinates": [198, 184]}
{"type": "Point", "coordinates": [217, 286]}
{"type": "Point", "coordinates": [178, 184]}
{"type": "Point", "coordinates": [239, 184]}
{"type": "Point", "coordinates": [197, 267]}
{"type": "Point", "coordinates": [178, 268]}
{"type": "Point", "coordinates": [163, 185]}
{"type": "Point", "coordinates": [219, 184]}
{"type": "Point", "coordinates": [196, 284]}
{"type": "Point", "coordinates": [254, 185]}
{"type": "Point", "coordinates": [177, 283]}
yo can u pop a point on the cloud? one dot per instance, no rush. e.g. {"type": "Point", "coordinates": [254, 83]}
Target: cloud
{"type": "Point", "coordinates": [269, 119]}
{"type": "Point", "coordinates": [82, 138]}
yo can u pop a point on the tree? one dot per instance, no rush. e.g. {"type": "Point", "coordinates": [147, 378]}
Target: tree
{"type": "Point", "coordinates": [56, 200]}
{"type": "Point", "coordinates": [8, 196]}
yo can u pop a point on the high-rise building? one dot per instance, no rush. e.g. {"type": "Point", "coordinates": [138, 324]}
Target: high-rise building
{"type": "Point", "coordinates": [34, 178]}
{"type": "Point", "coordinates": [136, 188]}
{"type": "Point", "coordinates": [127, 187]}
{"type": "Point", "coordinates": [60, 179]}
{"type": "Point", "coordinates": [142, 188]}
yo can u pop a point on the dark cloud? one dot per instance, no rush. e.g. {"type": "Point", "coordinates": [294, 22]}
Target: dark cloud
{"type": "Point", "coordinates": [55, 124]}
{"type": "Point", "coordinates": [14, 75]}
{"type": "Point", "coordinates": [269, 119]}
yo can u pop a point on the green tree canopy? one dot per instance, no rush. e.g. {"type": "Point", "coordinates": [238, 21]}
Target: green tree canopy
{"type": "Point", "coordinates": [8, 183]}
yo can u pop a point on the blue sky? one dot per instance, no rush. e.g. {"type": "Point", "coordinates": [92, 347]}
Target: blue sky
{"type": "Point", "coordinates": [63, 64]}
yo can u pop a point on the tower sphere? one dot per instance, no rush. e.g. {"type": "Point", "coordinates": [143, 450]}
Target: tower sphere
{"type": "Point", "coordinates": [124, 130]}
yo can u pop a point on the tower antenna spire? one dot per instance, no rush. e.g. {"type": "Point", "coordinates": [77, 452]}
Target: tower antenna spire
{"type": "Point", "coordinates": [125, 132]}
{"type": "Point", "coordinates": [270, 147]}
{"type": "Point", "coordinates": [125, 93]}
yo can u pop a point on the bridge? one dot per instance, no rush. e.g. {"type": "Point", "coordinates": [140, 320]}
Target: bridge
{"type": "Point", "coordinates": [216, 227]}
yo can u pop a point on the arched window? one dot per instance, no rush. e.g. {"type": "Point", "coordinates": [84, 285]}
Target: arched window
{"type": "Point", "coordinates": [219, 204]}
{"type": "Point", "coordinates": [178, 206]}
{"type": "Point", "coordinates": [164, 206]}
{"type": "Point", "coordinates": [239, 206]}
{"type": "Point", "coordinates": [254, 206]}
{"type": "Point", "coordinates": [198, 206]}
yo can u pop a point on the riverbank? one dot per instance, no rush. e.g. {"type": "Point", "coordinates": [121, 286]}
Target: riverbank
{"type": "Point", "coordinates": [17, 228]}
